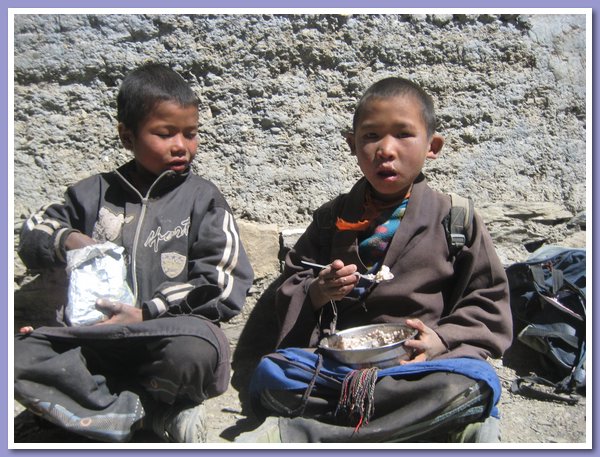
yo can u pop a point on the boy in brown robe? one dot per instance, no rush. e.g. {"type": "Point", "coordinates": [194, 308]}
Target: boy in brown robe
{"type": "Point", "coordinates": [457, 303]}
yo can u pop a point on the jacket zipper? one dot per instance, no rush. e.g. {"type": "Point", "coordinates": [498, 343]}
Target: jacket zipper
{"type": "Point", "coordinates": [138, 228]}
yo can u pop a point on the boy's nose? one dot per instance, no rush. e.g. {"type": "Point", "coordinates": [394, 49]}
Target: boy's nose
{"type": "Point", "coordinates": [177, 144]}
{"type": "Point", "coordinates": [386, 148]}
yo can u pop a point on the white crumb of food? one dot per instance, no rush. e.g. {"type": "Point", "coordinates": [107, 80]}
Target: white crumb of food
{"type": "Point", "coordinates": [384, 274]}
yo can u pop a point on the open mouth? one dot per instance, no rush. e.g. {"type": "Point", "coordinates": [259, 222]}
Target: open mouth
{"type": "Point", "coordinates": [386, 173]}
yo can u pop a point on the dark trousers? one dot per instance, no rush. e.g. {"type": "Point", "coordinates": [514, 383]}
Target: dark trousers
{"type": "Point", "coordinates": [423, 408]}
{"type": "Point", "coordinates": [99, 381]}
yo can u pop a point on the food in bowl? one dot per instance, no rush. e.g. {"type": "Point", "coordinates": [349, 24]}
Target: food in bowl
{"type": "Point", "coordinates": [375, 338]}
{"type": "Point", "coordinates": [378, 345]}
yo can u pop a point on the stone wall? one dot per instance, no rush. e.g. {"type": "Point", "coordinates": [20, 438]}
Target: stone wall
{"type": "Point", "coordinates": [278, 92]}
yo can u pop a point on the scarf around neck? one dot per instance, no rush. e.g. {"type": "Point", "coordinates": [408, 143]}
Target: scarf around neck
{"type": "Point", "coordinates": [378, 225]}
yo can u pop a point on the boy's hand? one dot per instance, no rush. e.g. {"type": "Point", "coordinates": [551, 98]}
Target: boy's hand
{"type": "Point", "coordinates": [77, 240]}
{"type": "Point", "coordinates": [333, 283]}
{"type": "Point", "coordinates": [426, 345]}
{"type": "Point", "coordinates": [119, 313]}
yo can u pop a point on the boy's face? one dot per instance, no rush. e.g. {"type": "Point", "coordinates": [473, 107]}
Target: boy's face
{"type": "Point", "coordinates": [166, 139]}
{"type": "Point", "coordinates": [391, 144]}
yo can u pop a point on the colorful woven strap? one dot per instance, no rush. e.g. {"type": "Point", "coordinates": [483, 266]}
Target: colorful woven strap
{"type": "Point", "coordinates": [356, 401]}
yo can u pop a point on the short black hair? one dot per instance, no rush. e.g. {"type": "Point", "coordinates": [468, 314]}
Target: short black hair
{"type": "Point", "coordinates": [393, 87]}
{"type": "Point", "coordinates": [145, 87]}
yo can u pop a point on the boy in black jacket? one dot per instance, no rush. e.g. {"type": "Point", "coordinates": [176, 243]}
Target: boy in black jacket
{"type": "Point", "coordinates": [161, 358]}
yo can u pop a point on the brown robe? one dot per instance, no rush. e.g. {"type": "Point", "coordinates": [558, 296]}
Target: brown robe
{"type": "Point", "coordinates": [465, 299]}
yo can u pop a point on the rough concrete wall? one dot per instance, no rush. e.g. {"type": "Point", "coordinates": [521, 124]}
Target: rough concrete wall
{"type": "Point", "coordinates": [278, 91]}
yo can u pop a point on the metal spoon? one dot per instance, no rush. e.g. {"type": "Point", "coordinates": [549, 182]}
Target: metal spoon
{"type": "Point", "coordinates": [367, 277]}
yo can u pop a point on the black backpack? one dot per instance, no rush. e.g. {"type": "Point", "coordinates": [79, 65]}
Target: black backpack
{"type": "Point", "coordinates": [548, 303]}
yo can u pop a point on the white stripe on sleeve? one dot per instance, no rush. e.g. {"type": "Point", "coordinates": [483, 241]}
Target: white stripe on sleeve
{"type": "Point", "coordinates": [230, 256]}
{"type": "Point", "coordinates": [234, 259]}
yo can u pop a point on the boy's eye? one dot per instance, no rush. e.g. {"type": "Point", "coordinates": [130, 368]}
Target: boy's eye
{"type": "Point", "coordinates": [371, 136]}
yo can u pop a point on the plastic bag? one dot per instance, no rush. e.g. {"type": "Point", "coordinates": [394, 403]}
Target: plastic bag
{"type": "Point", "coordinates": [96, 271]}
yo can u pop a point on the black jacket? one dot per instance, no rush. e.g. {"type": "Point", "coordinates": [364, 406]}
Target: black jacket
{"type": "Point", "coordinates": [181, 242]}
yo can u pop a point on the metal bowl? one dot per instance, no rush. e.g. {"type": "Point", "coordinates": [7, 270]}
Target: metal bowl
{"type": "Point", "coordinates": [368, 352]}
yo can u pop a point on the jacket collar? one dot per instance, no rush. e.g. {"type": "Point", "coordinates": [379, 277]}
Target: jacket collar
{"type": "Point", "coordinates": [414, 223]}
{"type": "Point", "coordinates": [164, 183]}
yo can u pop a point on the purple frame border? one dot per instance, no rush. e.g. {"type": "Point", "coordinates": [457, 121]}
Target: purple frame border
{"type": "Point", "coordinates": [307, 4]}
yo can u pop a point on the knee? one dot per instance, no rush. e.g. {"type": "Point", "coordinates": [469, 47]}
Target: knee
{"type": "Point", "coordinates": [189, 353]}
{"type": "Point", "coordinates": [21, 363]}
{"type": "Point", "coordinates": [29, 353]}
{"type": "Point", "coordinates": [183, 369]}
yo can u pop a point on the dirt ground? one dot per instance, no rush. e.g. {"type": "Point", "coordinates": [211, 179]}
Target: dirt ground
{"type": "Point", "coordinates": [523, 420]}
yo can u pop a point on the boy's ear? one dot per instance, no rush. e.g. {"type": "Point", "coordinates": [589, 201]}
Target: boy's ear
{"type": "Point", "coordinates": [435, 146]}
{"type": "Point", "coordinates": [351, 143]}
{"type": "Point", "coordinates": [125, 135]}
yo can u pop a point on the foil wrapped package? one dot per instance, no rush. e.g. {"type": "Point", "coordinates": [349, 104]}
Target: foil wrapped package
{"type": "Point", "coordinates": [96, 271]}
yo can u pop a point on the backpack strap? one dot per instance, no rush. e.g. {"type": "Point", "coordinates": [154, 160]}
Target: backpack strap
{"type": "Point", "coordinates": [532, 387]}
{"type": "Point", "coordinates": [458, 223]}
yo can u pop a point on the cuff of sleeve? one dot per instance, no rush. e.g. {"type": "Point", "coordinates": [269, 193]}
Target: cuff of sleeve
{"type": "Point", "coordinates": [60, 238]}
{"type": "Point", "coordinates": [153, 308]}
{"type": "Point", "coordinates": [447, 344]}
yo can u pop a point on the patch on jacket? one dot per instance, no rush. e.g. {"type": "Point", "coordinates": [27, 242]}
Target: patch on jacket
{"type": "Point", "coordinates": [172, 263]}
{"type": "Point", "coordinates": [108, 226]}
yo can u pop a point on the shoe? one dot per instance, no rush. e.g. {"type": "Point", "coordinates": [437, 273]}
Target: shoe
{"type": "Point", "coordinates": [115, 424]}
{"type": "Point", "coordinates": [487, 431]}
{"type": "Point", "coordinates": [267, 432]}
{"type": "Point", "coordinates": [178, 425]}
